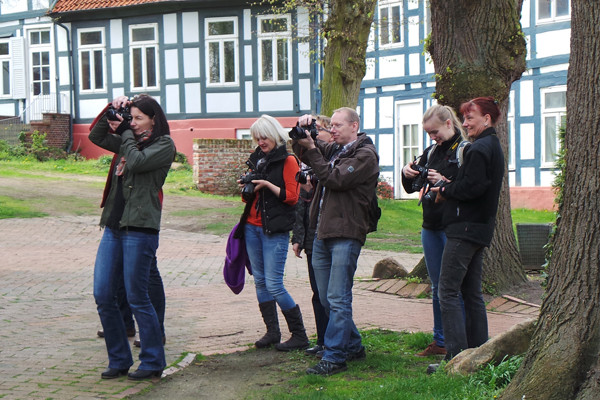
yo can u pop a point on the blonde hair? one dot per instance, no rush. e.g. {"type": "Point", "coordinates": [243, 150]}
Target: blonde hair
{"type": "Point", "coordinates": [267, 127]}
{"type": "Point", "coordinates": [444, 113]}
{"type": "Point", "coordinates": [324, 121]}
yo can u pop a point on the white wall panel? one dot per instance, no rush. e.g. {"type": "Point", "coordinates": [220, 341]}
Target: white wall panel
{"type": "Point", "coordinates": [386, 112]}
{"type": "Point", "coordinates": [282, 100]}
{"type": "Point", "coordinates": [189, 25]}
{"type": "Point", "coordinates": [369, 116]}
{"type": "Point", "coordinates": [172, 103]}
{"type": "Point", "coordinates": [249, 96]}
{"type": "Point", "coordinates": [391, 67]}
{"type": "Point", "coordinates": [116, 70]}
{"type": "Point", "coordinates": [191, 62]}
{"type": "Point", "coordinates": [193, 98]}
{"type": "Point", "coordinates": [171, 64]}
{"type": "Point", "coordinates": [170, 32]}
{"type": "Point", "coordinates": [304, 93]}
{"type": "Point", "coordinates": [526, 98]}
{"type": "Point", "coordinates": [222, 102]}
{"type": "Point", "coordinates": [527, 176]}
{"type": "Point", "coordinates": [91, 107]}
{"type": "Point", "coordinates": [553, 43]}
{"type": "Point", "coordinates": [386, 150]}
{"type": "Point", "coordinates": [527, 144]}
{"type": "Point", "coordinates": [116, 33]}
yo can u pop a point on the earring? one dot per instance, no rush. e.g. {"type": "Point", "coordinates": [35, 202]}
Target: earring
{"type": "Point", "coordinates": [485, 124]}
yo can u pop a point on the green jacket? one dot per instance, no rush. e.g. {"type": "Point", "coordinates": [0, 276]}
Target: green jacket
{"type": "Point", "coordinates": [143, 176]}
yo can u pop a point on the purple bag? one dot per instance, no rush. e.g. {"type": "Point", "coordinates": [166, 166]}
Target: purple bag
{"type": "Point", "coordinates": [236, 261]}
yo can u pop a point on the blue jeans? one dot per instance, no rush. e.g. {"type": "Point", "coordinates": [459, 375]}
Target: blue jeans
{"type": "Point", "coordinates": [462, 265]}
{"type": "Point", "coordinates": [433, 248]}
{"type": "Point", "coordinates": [334, 264]}
{"type": "Point", "coordinates": [128, 255]}
{"type": "Point", "coordinates": [268, 254]}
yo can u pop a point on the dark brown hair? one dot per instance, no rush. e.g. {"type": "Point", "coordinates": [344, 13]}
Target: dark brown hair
{"type": "Point", "coordinates": [151, 108]}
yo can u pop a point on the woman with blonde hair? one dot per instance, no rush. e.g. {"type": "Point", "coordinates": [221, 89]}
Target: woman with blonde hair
{"type": "Point", "coordinates": [270, 199]}
{"type": "Point", "coordinates": [441, 162]}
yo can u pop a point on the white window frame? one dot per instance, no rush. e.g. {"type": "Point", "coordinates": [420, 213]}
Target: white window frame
{"type": "Point", "coordinates": [274, 37]}
{"type": "Point", "coordinates": [389, 5]}
{"type": "Point", "coordinates": [553, 17]}
{"type": "Point", "coordinates": [559, 113]}
{"type": "Point", "coordinates": [41, 48]}
{"type": "Point", "coordinates": [92, 49]}
{"type": "Point", "coordinates": [510, 122]}
{"type": "Point", "coordinates": [144, 46]}
{"type": "Point", "coordinates": [221, 40]}
{"type": "Point", "coordinates": [6, 58]}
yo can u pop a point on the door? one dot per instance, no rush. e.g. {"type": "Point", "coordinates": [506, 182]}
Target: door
{"type": "Point", "coordinates": [409, 139]}
{"type": "Point", "coordinates": [41, 97]}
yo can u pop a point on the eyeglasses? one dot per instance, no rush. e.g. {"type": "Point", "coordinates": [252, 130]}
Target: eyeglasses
{"type": "Point", "coordinates": [337, 126]}
{"type": "Point", "coordinates": [320, 129]}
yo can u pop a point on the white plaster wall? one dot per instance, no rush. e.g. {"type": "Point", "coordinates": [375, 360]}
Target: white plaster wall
{"type": "Point", "coordinates": [512, 181]}
{"type": "Point", "coordinates": [170, 32]}
{"type": "Point", "coordinates": [370, 73]}
{"type": "Point", "coordinates": [554, 68]}
{"type": "Point", "coordinates": [91, 107]}
{"type": "Point", "coordinates": [116, 70]}
{"type": "Point", "coordinates": [370, 90]}
{"type": "Point", "coordinates": [193, 98]}
{"type": "Point", "coordinates": [527, 176]}
{"type": "Point", "coordinates": [547, 178]}
{"type": "Point", "coordinates": [525, 14]}
{"type": "Point", "coordinates": [7, 109]}
{"type": "Point", "coordinates": [368, 112]}
{"type": "Point", "coordinates": [392, 66]}
{"type": "Point", "coordinates": [414, 63]}
{"type": "Point", "coordinates": [282, 100]}
{"type": "Point", "coordinates": [303, 22]}
{"type": "Point", "coordinates": [386, 112]}
{"type": "Point", "coordinates": [249, 96]}
{"type": "Point", "coordinates": [553, 43]}
{"type": "Point", "coordinates": [393, 88]}
{"type": "Point", "coordinates": [413, 31]}
{"type": "Point", "coordinates": [191, 62]}
{"type": "Point", "coordinates": [172, 64]}
{"type": "Point", "coordinates": [247, 24]}
{"type": "Point", "coordinates": [527, 149]}
{"type": "Point", "coordinates": [248, 60]}
{"type": "Point", "coordinates": [61, 38]}
{"type": "Point", "coordinates": [172, 95]}
{"type": "Point", "coordinates": [303, 58]}
{"type": "Point", "coordinates": [222, 102]}
{"type": "Point", "coordinates": [64, 77]}
{"type": "Point", "coordinates": [386, 149]}
{"type": "Point", "coordinates": [189, 25]}
{"type": "Point", "coordinates": [116, 33]}
{"type": "Point", "coordinates": [304, 93]}
{"type": "Point", "coordinates": [526, 98]}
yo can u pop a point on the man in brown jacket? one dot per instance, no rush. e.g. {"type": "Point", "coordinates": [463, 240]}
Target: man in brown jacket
{"type": "Point", "coordinates": [347, 170]}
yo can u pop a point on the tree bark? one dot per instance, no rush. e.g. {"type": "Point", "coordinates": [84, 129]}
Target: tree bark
{"type": "Point", "coordinates": [562, 361]}
{"type": "Point", "coordinates": [347, 32]}
{"type": "Point", "coordinates": [478, 49]}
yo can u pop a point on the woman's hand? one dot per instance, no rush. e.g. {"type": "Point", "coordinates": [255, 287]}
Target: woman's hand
{"type": "Point", "coordinates": [114, 125]}
{"type": "Point", "coordinates": [408, 172]}
{"type": "Point", "coordinates": [434, 177]}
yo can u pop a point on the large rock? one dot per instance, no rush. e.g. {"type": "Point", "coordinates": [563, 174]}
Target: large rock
{"type": "Point", "coordinates": [389, 268]}
{"type": "Point", "coordinates": [515, 341]}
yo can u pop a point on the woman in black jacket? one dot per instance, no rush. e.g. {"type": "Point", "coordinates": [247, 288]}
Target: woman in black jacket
{"type": "Point", "coordinates": [440, 162]}
{"type": "Point", "coordinates": [271, 196]}
{"type": "Point", "coordinates": [469, 217]}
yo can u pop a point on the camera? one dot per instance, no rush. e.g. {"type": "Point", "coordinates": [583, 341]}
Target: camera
{"type": "Point", "coordinates": [298, 132]}
{"type": "Point", "coordinates": [248, 177]}
{"type": "Point", "coordinates": [123, 111]}
{"type": "Point", "coordinates": [420, 179]}
{"type": "Point", "coordinates": [306, 175]}
{"type": "Point", "coordinates": [429, 196]}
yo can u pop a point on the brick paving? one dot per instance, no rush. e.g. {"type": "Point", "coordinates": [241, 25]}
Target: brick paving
{"type": "Point", "coordinates": [48, 319]}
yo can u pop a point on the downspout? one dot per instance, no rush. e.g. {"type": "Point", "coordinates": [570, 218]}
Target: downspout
{"type": "Point", "coordinates": [71, 88]}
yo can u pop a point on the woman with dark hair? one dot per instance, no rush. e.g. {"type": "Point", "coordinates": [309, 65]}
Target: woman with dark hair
{"type": "Point", "coordinates": [131, 219]}
{"type": "Point", "coordinates": [469, 218]}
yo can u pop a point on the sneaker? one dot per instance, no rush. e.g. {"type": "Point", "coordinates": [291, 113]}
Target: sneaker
{"type": "Point", "coordinates": [326, 368]}
{"type": "Point", "coordinates": [314, 350]}
{"type": "Point", "coordinates": [431, 368]}
{"type": "Point", "coordinates": [357, 356]}
{"type": "Point", "coordinates": [432, 350]}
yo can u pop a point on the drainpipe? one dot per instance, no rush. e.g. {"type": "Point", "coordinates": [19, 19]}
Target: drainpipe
{"type": "Point", "coordinates": [71, 88]}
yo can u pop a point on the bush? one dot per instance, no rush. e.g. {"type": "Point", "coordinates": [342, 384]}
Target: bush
{"type": "Point", "coordinates": [384, 189]}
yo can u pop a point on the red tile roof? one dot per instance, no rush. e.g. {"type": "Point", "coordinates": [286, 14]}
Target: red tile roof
{"type": "Point", "coordinates": [81, 5]}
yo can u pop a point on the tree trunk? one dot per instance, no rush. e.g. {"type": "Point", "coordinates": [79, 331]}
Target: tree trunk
{"type": "Point", "coordinates": [562, 361]}
{"type": "Point", "coordinates": [478, 49]}
{"type": "Point", "coordinates": [347, 32]}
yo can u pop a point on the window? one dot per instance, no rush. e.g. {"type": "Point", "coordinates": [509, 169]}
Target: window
{"type": "Point", "coordinates": [91, 60]}
{"type": "Point", "coordinates": [390, 25]}
{"type": "Point", "coordinates": [4, 69]}
{"type": "Point", "coordinates": [39, 44]}
{"type": "Point", "coordinates": [550, 10]}
{"type": "Point", "coordinates": [554, 109]}
{"type": "Point", "coordinates": [144, 56]}
{"type": "Point", "coordinates": [274, 40]}
{"type": "Point", "coordinates": [221, 51]}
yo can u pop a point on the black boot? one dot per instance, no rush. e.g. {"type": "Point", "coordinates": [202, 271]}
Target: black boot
{"type": "Point", "coordinates": [299, 340]}
{"type": "Point", "coordinates": [268, 310]}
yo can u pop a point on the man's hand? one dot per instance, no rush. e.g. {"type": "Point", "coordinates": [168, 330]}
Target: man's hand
{"type": "Point", "coordinates": [307, 142]}
{"type": "Point", "coordinates": [297, 250]}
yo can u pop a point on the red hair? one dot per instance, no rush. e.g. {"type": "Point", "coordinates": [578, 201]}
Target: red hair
{"type": "Point", "coordinates": [485, 105]}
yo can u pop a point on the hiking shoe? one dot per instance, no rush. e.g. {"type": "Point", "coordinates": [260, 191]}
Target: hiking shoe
{"type": "Point", "coordinates": [432, 350]}
{"type": "Point", "coordinates": [357, 356]}
{"type": "Point", "coordinates": [431, 368]}
{"type": "Point", "coordinates": [326, 368]}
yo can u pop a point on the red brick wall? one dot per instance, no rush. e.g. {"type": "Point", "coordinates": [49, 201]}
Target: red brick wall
{"type": "Point", "coordinates": [56, 127]}
{"type": "Point", "coordinates": [218, 163]}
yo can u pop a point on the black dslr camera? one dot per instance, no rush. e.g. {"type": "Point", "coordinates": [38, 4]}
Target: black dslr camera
{"type": "Point", "coordinates": [248, 177]}
{"type": "Point", "coordinates": [298, 132]}
{"type": "Point", "coordinates": [420, 179]}
{"type": "Point", "coordinates": [306, 175]}
{"type": "Point", "coordinates": [123, 111]}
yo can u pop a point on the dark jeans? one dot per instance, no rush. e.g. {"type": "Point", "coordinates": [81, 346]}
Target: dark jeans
{"type": "Point", "coordinates": [156, 291]}
{"type": "Point", "coordinates": [321, 318]}
{"type": "Point", "coordinates": [462, 264]}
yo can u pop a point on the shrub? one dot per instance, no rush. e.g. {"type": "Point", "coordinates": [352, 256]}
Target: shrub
{"type": "Point", "coordinates": [384, 189]}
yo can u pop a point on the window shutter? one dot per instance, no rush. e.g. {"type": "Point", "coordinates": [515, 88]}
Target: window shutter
{"type": "Point", "coordinates": [17, 48]}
